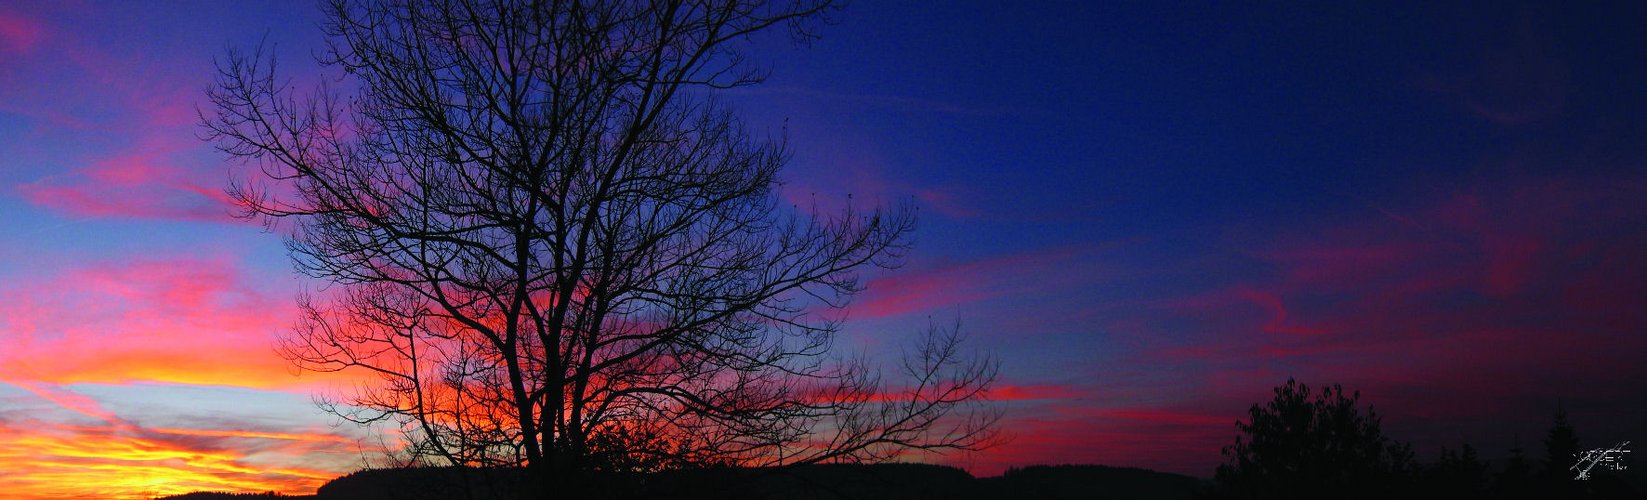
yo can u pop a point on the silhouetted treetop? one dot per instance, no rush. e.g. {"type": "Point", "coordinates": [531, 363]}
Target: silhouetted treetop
{"type": "Point", "coordinates": [1561, 446]}
{"type": "Point", "coordinates": [1311, 445]}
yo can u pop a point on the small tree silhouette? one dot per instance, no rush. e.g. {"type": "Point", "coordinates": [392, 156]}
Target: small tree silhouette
{"type": "Point", "coordinates": [1457, 474]}
{"type": "Point", "coordinates": [1516, 480]}
{"type": "Point", "coordinates": [1560, 447]}
{"type": "Point", "coordinates": [1299, 446]}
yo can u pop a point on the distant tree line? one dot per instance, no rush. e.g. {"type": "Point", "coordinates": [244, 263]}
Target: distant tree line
{"type": "Point", "coordinates": [1305, 444]}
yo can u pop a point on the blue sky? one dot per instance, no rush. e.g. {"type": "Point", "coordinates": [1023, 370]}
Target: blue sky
{"type": "Point", "coordinates": [1150, 213]}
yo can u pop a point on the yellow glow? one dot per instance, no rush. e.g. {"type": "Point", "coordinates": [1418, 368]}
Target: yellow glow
{"type": "Point", "coordinates": [56, 461]}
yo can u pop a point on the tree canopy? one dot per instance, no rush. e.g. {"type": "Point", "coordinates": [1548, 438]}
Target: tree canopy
{"type": "Point", "coordinates": [557, 249]}
{"type": "Point", "coordinates": [1312, 445]}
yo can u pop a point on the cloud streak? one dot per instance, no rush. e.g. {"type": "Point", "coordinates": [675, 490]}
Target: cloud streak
{"type": "Point", "coordinates": [147, 183]}
{"type": "Point", "coordinates": [130, 119]}
{"type": "Point", "coordinates": [943, 285]}
{"type": "Point", "coordinates": [97, 452]}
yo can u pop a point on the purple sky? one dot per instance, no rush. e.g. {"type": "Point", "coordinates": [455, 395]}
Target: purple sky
{"type": "Point", "coordinates": [1151, 214]}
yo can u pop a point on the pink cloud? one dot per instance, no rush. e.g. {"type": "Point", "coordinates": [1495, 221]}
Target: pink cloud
{"type": "Point", "coordinates": [925, 291]}
{"type": "Point", "coordinates": [149, 183]}
{"type": "Point", "coordinates": [1490, 300]}
{"type": "Point", "coordinates": [185, 320]}
{"type": "Point", "coordinates": [950, 202]}
{"type": "Point", "coordinates": [1164, 439]}
{"type": "Point", "coordinates": [1459, 317]}
{"type": "Point", "coordinates": [19, 34]}
{"type": "Point", "coordinates": [1033, 392]}
{"type": "Point", "coordinates": [1278, 323]}
{"type": "Point", "coordinates": [131, 117]}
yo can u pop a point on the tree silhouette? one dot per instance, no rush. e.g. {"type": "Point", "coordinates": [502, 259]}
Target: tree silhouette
{"type": "Point", "coordinates": [557, 250]}
{"type": "Point", "coordinates": [1516, 480]}
{"type": "Point", "coordinates": [1456, 474]}
{"type": "Point", "coordinates": [1299, 446]}
{"type": "Point", "coordinates": [1561, 447]}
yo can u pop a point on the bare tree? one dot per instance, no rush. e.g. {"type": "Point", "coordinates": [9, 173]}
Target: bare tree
{"type": "Point", "coordinates": [559, 251]}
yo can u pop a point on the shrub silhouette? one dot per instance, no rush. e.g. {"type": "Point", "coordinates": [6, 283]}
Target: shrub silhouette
{"type": "Point", "coordinates": [1304, 445]}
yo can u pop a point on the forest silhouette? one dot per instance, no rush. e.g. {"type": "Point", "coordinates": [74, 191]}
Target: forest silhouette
{"type": "Point", "coordinates": [1301, 444]}
{"type": "Point", "coordinates": [1324, 445]}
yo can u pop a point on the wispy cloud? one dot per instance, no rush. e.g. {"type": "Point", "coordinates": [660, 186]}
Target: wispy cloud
{"type": "Point", "coordinates": [929, 289]}
{"type": "Point", "coordinates": [130, 118]}
{"type": "Point", "coordinates": [1165, 439]}
{"type": "Point", "coordinates": [149, 182]}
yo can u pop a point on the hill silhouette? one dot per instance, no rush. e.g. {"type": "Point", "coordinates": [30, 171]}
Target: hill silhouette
{"type": "Point", "coordinates": [810, 482]}
{"type": "Point", "coordinates": [1088, 481]}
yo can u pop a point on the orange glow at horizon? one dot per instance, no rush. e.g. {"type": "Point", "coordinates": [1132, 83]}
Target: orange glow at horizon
{"type": "Point", "coordinates": [92, 451]}
{"type": "Point", "coordinates": [147, 331]}
{"type": "Point", "coordinates": [47, 460]}
{"type": "Point", "coordinates": [178, 322]}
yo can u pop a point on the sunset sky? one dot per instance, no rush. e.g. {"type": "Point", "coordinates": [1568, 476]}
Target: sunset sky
{"type": "Point", "coordinates": [1152, 214]}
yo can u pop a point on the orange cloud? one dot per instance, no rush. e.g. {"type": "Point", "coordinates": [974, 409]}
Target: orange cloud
{"type": "Point", "coordinates": [179, 320]}
{"type": "Point", "coordinates": [44, 460]}
{"type": "Point", "coordinates": [119, 458]}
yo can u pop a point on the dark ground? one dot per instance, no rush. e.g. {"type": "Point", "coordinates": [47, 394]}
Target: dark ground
{"type": "Point", "coordinates": [814, 482]}
{"type": "Point", "coordinates": [841, 481]}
